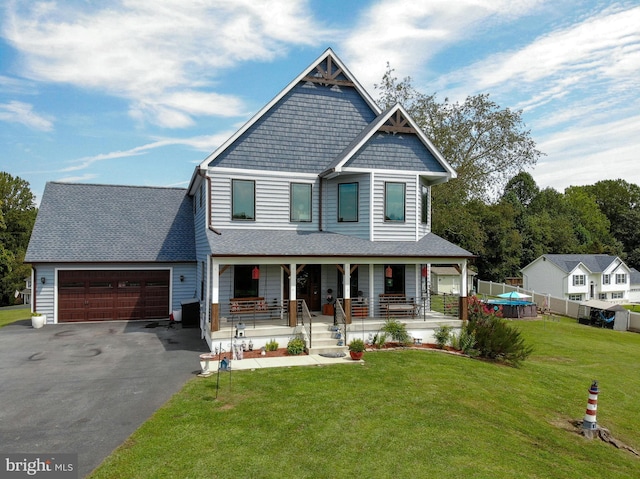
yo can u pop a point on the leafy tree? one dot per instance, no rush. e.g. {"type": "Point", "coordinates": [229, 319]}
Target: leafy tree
{"type": "Point", "coordinates": [18, 213]}
{"type": "Point", "coordinates": [485, 144]}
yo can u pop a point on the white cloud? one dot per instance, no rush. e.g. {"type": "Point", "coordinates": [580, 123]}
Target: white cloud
{"type": "Point", "coordinates": [205, 143]}
{"type": "Point", "coordinates": [20, 112]}
{"type": "Point", "coordinates": [154, 53]}
{"type": "Point", "coordinates": [407, 33]}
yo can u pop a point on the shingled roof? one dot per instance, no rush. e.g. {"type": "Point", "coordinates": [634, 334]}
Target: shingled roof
{"type": "Point", "coordinates": [596, 263]}
{"type": "Point", "coordinates": [239, 242]}
{"type": "Point", "coordinates": [108, 223]}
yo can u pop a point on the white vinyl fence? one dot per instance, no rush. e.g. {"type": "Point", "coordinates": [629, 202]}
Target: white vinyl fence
{"type": "Point", "coordinates": [561, 306]}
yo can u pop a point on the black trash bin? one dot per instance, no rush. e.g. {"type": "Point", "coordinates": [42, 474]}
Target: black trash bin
{"type": "Point", "coordinates": [190, 313]}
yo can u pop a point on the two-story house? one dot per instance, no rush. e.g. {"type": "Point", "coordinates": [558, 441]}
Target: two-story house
{"type": "Point", "coordinates": [321, 194]}
{"type": "Point", "coordinates": [579, 277]}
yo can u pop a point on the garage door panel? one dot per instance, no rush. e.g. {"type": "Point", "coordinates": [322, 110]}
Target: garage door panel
{"type": "Point", "coordinates": [107, 295]}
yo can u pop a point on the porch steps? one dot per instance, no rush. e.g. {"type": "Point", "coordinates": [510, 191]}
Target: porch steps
{"type": "Point", "coordinates": [323, 340]}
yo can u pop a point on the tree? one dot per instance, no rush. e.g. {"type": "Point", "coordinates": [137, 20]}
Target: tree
{"type": "Point", "coordinates": [485, 144]}
{"type": "Point", "coordinates": [18, 213]}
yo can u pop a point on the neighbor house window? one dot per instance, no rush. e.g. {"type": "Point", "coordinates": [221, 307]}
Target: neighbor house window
{"type": "Point", "coordinates": [602, 296]}
{"type": "Point", "coordinates": [606, 279]}
{"type": "Point", "coordinates": [245, 282]}
{"type": "Point", "coordinates": [300, 198]}
{"type": "Point", "coordinates": [579, 280]}
{"type": "Point", "coordinates": [243, 199]}
{"type": "Point", "coordinates": [621, 278]}
{"type": "Point", "coordinates": [394, 201]}
{"type": "Point", "coordinates": [348, 202]}
{"type": "Point", "coordinates": [575, 297]}
{"type": "Point", "coordinates": [618, 295]}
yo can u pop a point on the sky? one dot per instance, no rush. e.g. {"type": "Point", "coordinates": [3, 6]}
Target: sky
{"type": "Point", "coordinates": [139, 92]}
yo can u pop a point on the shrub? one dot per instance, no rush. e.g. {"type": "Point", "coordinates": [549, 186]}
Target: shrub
{"type": "Point", "coordinates": [272, 345]}
{"type": "Point", "coordinates": [379, 339]}
{"type": "Point", "coordinates": [356, 345]}
{"type": "Point", "coordinates": [442, 335]}
{"type": "Point", "coordinates": [397, 331]}
{"type": "Point", "coordinates": [493, 337]}
{"type": "Point", "coordinates": [296, 346]}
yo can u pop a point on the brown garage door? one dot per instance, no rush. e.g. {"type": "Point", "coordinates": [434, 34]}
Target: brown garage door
{"type": "Point", "coordinates": [109, 295]}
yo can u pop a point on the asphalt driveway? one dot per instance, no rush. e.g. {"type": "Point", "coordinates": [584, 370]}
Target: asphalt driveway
{"type": "Point", "coordinates": [84, 388]}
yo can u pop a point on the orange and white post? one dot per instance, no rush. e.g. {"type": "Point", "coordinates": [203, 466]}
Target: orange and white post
{"type": "Point", "coordinates": [589, 424]}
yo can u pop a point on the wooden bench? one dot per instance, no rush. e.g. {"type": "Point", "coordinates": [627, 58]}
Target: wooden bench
{"type": "Point", "coordinates": [397, 304]}
{"type": "Point", "coordinates": [250, 305]}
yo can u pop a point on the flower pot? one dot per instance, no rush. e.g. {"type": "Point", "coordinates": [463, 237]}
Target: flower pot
{"type": "Point", "coordinates": [38, 321]}
{"type": "Point", "coordinates": [356, 355]}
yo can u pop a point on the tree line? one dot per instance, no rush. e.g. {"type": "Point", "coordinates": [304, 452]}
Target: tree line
{"type": "Point", "coordinates": [494, 208]}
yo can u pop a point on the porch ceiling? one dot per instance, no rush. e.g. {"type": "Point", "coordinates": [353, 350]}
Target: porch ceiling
{"type": "Point", "coordinates": [236, 242]}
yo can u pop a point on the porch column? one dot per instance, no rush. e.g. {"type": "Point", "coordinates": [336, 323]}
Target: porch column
{"type": "Point", "coordinates": [346, 281]}
{"type": "Point", "coordinates": [215, 296]}
{"type": "Point", "coordinates": [464, 307]}
{"type": "Point", "coordinates": [293, 303]}
{"type": "Point", "coordinates": [372, 304]}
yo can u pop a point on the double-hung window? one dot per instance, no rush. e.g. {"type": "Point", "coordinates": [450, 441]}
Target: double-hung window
{"type": "Point", "coordinates": [300, 199]}
{"type": "Point", "coordinates": [621, 278]}
{"type": "Point", "coordinates": [578, 279]}
{"type": "Point", "coordinates": [243, 200]}
{"type": "Point", "coordinates": [348, 202]}
{"type": "Point", "coordinates": [394, 201]}
{"type": "Point", "coordinates": [606, 279]}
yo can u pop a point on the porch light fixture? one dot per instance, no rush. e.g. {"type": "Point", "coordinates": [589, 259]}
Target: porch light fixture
{"type": "Point", "coordinates": [255, 273]}
{"type": "Point", "coordinates": [43, 280]}
{"type": "Point", "coordinates": [182, 278]}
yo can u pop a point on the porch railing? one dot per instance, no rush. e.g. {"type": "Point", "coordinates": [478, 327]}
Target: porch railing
{"type": "Point", "coordinates": [305, 319]}
{"type": "Point", "coordinates": [341, 319]}
{"type": "Point", "coordinates": [447, 304]}
{"type": "Point", "coordinates": [254, 310]}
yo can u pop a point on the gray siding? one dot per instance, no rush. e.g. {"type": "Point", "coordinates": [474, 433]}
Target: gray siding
{"type": "Point", "coordinates": [203, 248]}
{"type": "Point", "coordinates": [389, 230]}
{"type": "Point", "coordinates": [398, 152]}
{"type": "Point", "coordinates": [359, 229]}
{"type": "Point", "coordinates": [304, 131]}
{"type": "Point", "coordinates": [272, 201]}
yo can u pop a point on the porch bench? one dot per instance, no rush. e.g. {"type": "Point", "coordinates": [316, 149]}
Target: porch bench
{"type": "Point", "coordinates": [396, 304]}
{"type": "Point", "coordinates": [250, 305]}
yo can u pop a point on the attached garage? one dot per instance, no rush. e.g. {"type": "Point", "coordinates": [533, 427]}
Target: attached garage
{"type": "Point", "coordinates": [110, 295]}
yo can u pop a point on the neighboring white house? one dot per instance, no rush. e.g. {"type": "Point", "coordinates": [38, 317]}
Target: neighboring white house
{"type": "Point", "coordinates": [446, 279]}
{"type": "Point", "coordinates": [580, 277]}
{"type": "Point", "coordinates": [25, 294]}
{"type": "Point", "coordinates": [634, 293]}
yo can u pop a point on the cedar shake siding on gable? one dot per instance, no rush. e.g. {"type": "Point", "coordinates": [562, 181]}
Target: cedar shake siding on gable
{"type": "Point", "coordinates": [303, 132]}
{"type": "Point", "coordinates": [398, 152]}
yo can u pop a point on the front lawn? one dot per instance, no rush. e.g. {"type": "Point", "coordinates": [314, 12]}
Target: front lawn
{"type": "Point", "coordinates": [12, 314]}
{"type": "Point", "coordinates": [404, 414]}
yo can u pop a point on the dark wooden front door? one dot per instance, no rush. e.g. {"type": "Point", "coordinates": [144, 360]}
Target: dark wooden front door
{"type": "Point", "coordinates": [308, 286]}
{"type": "Point", "coordinates": [108, 295]}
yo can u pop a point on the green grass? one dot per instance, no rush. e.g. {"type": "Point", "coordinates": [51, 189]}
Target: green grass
{"type": "Point", "coordinates": [11, 315]}
{"type": "Point", "coordinates": [635, 308]}
{"type": "Point", "coordinates": [404, 414]}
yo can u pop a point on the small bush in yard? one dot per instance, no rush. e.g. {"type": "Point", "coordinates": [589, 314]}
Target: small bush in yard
{"type": "Point", "coordinates": [397, 331]}
{"type": "Point", "coordinates": [295, 346]}
{"type": "Point", "coordinates": [495, 339]}
{"type": "Point", "coordinates": [442, 336]}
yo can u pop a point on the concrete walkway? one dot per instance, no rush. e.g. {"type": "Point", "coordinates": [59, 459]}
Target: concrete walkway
{"type": "Point", "coordinates": [285, 362]}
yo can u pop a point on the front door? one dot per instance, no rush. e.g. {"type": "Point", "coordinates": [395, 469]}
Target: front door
{"type": "Point", "coordinates": [308, 286]}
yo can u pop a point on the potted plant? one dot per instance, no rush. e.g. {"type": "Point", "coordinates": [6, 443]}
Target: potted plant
{"type": "Point", "coordinates": [38, 320]}
{"type": "Point", "coordinates": [356, 349]}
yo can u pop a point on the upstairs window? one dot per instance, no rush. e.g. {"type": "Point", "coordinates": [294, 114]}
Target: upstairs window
{"type": "Point", "coordinates": [394, 201]}
{"type": "Point", "coordinates": [621, 278]}
{"type": "Point", "coordinates": [579, 280]}
{"type": "Point", "coordinates": [300, 198]}
{"type": "Point", "coordinates": [606, 279]}
{"type": "Point", "coordinates": [424, 193]}
{"type": "Point", "coordinates": [243, 200]}
{"type": "Point", "coordinates": [348, 202]}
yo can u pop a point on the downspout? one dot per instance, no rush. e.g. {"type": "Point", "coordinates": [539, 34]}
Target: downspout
{"type": "Point", "coordinates": [34, 292]}
{"type": "Point", "coordinates": [209, 203]}
{"type": "Point", "coordinates": [320, 205]}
